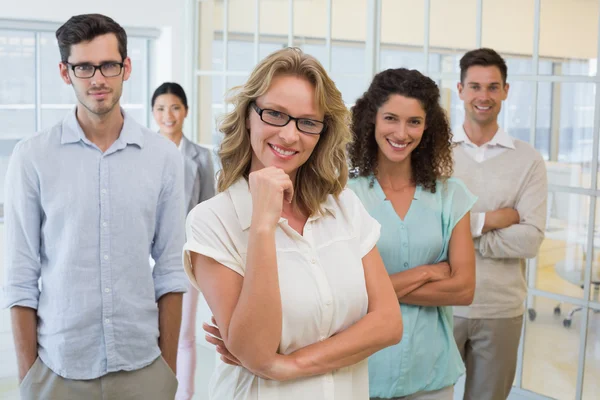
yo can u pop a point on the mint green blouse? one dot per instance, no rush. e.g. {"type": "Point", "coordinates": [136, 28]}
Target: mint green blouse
{"type": "Point", "coordinates": [427, 357]}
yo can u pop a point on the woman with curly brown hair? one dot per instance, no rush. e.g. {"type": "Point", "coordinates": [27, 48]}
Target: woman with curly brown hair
{"type": "Point", "coordinates": [402, 159]}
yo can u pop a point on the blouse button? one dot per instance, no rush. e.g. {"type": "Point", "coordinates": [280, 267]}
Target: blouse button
{"type": "Point", "coordinates": [313, 261]}
{"type": "Point", "coordinates": [406, 264]}
{"type": "Point", "coordinates": [405, 244]}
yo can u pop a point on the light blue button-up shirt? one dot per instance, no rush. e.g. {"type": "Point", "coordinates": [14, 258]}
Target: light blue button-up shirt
{"type": "Point", "coordinates": [86, 223]}
{"type": "Point", "coordinates": [427, 357]}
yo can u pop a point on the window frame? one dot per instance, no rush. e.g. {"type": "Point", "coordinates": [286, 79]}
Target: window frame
{"type": "Point", "coordinates": [38, 28]}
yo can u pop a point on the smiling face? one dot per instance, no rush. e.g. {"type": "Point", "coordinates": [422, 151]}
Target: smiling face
{"type": "Point", "coordinates": [483, 92]}
{"type": "Point", "coordinates": [399, 127]}
{"type": "Point", "coordinates": [98, 95]}
{"type": "Point", "coordinates": [284, 147]}
{"type": "Point", "coordinates": [169, 113]}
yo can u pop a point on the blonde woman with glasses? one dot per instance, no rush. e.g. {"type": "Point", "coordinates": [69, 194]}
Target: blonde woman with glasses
{"type": "Point", "coordinates": [284, 255]}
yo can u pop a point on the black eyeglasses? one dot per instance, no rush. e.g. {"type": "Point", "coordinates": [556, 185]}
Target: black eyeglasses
{"type": "Point", "coordinates": [277, 118]}
{"type": "Point", "coordinates": [86, 71]}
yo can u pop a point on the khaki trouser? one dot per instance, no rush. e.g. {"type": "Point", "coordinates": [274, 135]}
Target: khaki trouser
{"type": "Point", "coordinates": [446, 393]}
{"type": "Point", "coordinates": [489, 349]}
{"type": "Point", "coordinates": [153, 382]}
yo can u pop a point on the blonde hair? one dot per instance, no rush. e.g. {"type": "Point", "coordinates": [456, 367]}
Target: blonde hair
{"type": "Point", "coordinates": [326, 170]}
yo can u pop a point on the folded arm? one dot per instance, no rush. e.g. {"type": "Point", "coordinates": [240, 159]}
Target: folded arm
{"type": "Point", "coordinates": [379, 328]}
{"type": "Point", "coordinates": [523, 239]}
{"type": "Point", "coordinates": [407, 281]}
{"type": "Point", "coordinates": [459, 288]}
{"type": "Point", "coordinates": [247, 309]}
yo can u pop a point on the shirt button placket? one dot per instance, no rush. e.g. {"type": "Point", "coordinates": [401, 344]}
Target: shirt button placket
{"type": "Point", "coordinates": [105, 264]}
{"type": "Point", "coordinates": [326, 296]}
{"type": "Point", "coordinates": [405, 253]}
{"type": "Point", "coordinates": [328, 386]}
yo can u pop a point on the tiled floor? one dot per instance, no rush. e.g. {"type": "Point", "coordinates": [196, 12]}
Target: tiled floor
{"type": "Point", "coordinates": [551, 350]}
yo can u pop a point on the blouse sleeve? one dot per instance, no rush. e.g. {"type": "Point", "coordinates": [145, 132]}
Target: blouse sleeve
{"type": "Point", "coordinates": [458, 201]}
{"type": "Point", "coordinates": [207, 234]}
{"type": "Point", "coordinates": [366, 227]}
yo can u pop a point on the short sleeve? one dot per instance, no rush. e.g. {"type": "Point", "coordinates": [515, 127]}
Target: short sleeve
{"type": "Point", "coordinates": [458, 201]}
{"type": "Point", "coordinates": [208, 234]}
{"type": "Point", "coordinates": [366, 227]}
{"type": "Point", "coordinates": [477, 223]}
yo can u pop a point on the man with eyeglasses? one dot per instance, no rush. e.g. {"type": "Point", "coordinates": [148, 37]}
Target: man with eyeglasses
{"type": "Point", "coordinates": [88, 202]}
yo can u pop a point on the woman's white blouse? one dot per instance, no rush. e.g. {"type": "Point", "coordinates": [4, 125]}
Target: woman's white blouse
{"type": "Point", "coordinates": [321, 279]}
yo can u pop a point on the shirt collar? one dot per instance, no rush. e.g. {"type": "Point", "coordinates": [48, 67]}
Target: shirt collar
{"type": "Point", "coordinates": [131, 133]}
{"type": "Point", "coordinates": [188, 148]}
{"type": "Point", "coordinates": [242, 203]}
{"type": "Point", "coordinates": [182, 145]}
{"type": "Point", "coordinates": [381, 194]}
{"type": "Point", "coordinates": [501, 138]}
{"type": "Point", "coordinates": [330, 205]}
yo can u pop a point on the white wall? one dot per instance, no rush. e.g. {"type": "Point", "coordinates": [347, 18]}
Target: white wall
{"type": "Point", "coordinates": [172, 50]}
{"type": "Point", "coordinates": [8, 365]}
{"type": "Point", "coordinates": [172, 62]}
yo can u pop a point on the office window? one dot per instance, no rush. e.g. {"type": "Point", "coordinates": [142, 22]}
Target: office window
{"type": "Point", "coordinates": [33, 97]}
{"type": "Point", "coordinates": [551, 50]}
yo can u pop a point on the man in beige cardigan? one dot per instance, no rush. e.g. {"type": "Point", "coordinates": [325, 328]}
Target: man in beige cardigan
{"type": "Point", "coordinates": [507, 223]}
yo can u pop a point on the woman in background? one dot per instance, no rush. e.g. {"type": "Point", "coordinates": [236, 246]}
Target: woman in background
{"type": "Point", "coordinates": [170, 108]}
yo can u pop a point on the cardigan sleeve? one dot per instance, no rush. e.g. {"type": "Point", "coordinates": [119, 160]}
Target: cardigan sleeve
{"type": "Point", "coordinates": [521, 240]}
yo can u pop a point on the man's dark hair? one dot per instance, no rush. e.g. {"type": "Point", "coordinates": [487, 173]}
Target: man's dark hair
{"type": "Point", "coordinates": [86, 27]}
{"type": "Point", "coordinates": [483, 57]}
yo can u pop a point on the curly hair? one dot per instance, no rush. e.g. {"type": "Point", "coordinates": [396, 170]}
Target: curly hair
{"type": "Point", "coordinates": [325, 172]}
{"type": "Point", "coordinates": [432, 158]}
